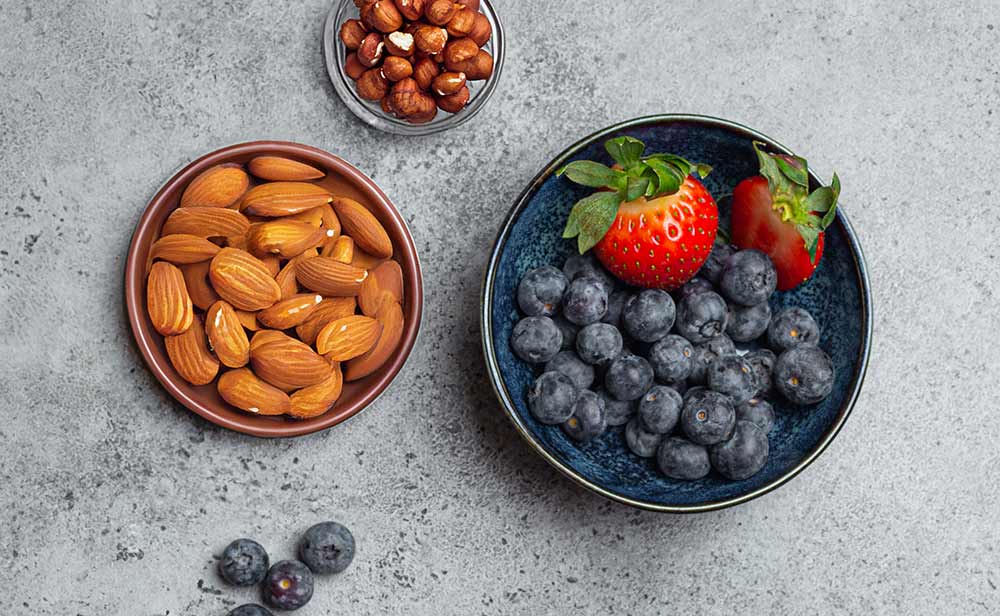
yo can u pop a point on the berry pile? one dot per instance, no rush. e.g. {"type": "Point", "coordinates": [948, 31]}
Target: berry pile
{"type": "Point", "coordinates": [327, 547]}
{"type": "Point", "coordinates": [667, 366]}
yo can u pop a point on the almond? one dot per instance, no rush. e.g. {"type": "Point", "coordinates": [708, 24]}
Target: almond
{"type": "Point", "coordinates": [167, 300]}
{"type": "Point", "coordinates": [390, 315]}
{"type": "Point", "coordinates": [330, 309]}
{"type": "Point", "coordinates": [227, 336]}
{"type": "Point", "coordinates": [219, 186]}
{"type": "Point", "coordinates": [243, 280]}
{"type": "Point", "coordinates": [384, 282]}
{"type": "Point", "coordinates": [360, 224]}
{"type": "Point", "coordinates": [363, 260]}
{"type": "Point", "coordinates": [248, 319]}
{"type": "Point", "coordinates": [285, 238]}
{"type": "Point", "coordinates": [238, 241]}
{"type": "Point", "coordinates": [196, 280]}
{"type": "Point", "coordinates": [190, 356]}
{"type": "Point", "coordinates": [330, 278]}
{"type": "Point", "coordinates": [289, 312]}
{"type": "Point", "coordinates": [312, 217]}
{"type": "Point", "coordinates": [330, 220]}
{"type": "Point", "coordinates": [264, 336]}
{"type": "Point", "coordinates": [183, 248]}
{"type": "Point", "coordinates": [281, 169]}
{"type": "Point", "coordinates": [347, 338]}
{"type": "Point", "coordinates": [272, 263]}
{"type": "Point", "coordinates": [284, 198]}
{"type": "Point", "coordinates": [390, 278]}
{"type": "Point", "coordinates": [287, 363]}
{"type": "Point", "coordinates": [317, 399]}
{"type": "Point", "coordinates": [244, 390]}
{"type": "Point", "coordinates": [205, 222]}
{"type": "Point", "coordinates": [286, 280]}
{"type": "Point", "coordinates": [342, 249]}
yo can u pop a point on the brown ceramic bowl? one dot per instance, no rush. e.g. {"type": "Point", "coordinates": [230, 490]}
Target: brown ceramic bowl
{"type": "Point", "coordinates": [342, 178]}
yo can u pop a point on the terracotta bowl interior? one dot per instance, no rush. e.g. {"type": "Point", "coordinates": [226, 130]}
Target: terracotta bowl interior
{"type": "Point", "coordinates": [343, 179]}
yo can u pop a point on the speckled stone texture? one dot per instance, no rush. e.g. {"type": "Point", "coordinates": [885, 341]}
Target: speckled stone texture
{"type": "Point", "coordinates": [115, 500]}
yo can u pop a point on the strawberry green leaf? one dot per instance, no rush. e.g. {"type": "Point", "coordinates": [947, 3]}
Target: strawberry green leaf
{"type": "Point", "coordinates": [591, 218]}
{"type": "Point", "coordinates": [810, 235]}
{"type": "Point", "coordinates": [702, 169]}
{"type": "Point", "coordinates": [794, 170]}
{"type": "Point", "coordinates": [831, 212]}
{"type": "Point", "coordinates": [636, 188]}
{"type": "Point", "coordinates": [593, 174]}
{"type": "Point", "coordinates": [668, 176]}
{"type": "Point", "coordinates": [626, 151]}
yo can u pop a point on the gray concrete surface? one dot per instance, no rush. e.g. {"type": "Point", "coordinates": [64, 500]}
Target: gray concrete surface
{"type": "Point", "coordinates": [114, 499]}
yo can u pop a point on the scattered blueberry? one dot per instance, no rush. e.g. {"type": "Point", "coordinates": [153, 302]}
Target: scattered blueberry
{"type": "Point", "coordinates": [701, 317]}
{"type": "Point", "coordinates": [641, 442]}
{"type": "Point", "coordinates": [748, 323]}
{"type": "Point", "coordinates": [327, 547]}
{"type": "Point", "coordinates": [705, 354]}
{"type": "Point", "coordinates": [244, 563]}
{"type": "Point", "coordinates": [568, 331]}
{"type": "Point", "coordinates": [679, 458]}
{"type": "Point", "coordinates": [792, 327]}
{"type": "Point", "coordinates": [708, 417]}
{"type": "Point", "coordinates": [628, 377]}
{"type": "Point", "coordinates": [671, 358]}
{"type": "Point", "coordinates": [616, 302]}
{"type": "Point", "coordinates": [743, 455]}
{"type": "Point", "coordinates": [732, 375]}
{"type": "Point", "coordinates": [289, 585]}
{"type": "Point", "coordinates": [571, 365]}
{"type": "Point", "coordinates": [762, 363]}
{"type": "Point", "coordinates": [680, 387]}
{"type": "Point", "coordinates": [536, 340]}
{"type": "Point", "coordinates": [587, 266]}
{"type": "Point", "coordinates": [618, 412]}
{"type": "Point", "coordinates": [585, 301]}
{"type": "Point", "coordinates": [712, 268]}
{"type": "Point", "coordinates": [758, 412]}
{"type": "Point", "coordinates": [649, 315]}
{"type": "Point", "coordinates": [251, 609]}
{"type": "Point", "coordinates": [748, 278]}
{"type": "Point", "coordinates": [588, 420]}
{"type": "Point", "coordinates": [694, 286]}
{"type": "Point", "coordinates": [551, 398]}
{"type": "Point", "coordinates": [660, 409]}
{"type": "Point", "coordinates": [541, 290]}
{"type": "Point", "coordinates": [804, 375]}
{"type": "Point", "coordinates": [598, 344]}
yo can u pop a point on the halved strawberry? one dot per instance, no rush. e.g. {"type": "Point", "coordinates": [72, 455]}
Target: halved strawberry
{"type": "Point", "coordinates": [653, 225]}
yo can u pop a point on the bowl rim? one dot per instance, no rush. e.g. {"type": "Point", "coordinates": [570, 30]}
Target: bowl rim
{"type": "Point", "coordinates": [506, 401]}
{"type": "Point", "coordinates": [134, 280]}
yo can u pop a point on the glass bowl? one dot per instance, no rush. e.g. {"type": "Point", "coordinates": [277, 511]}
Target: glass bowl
{"type": "Point", "coordinates": [370, 112]}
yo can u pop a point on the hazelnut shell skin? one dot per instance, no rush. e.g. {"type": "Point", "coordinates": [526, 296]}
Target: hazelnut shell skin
{"type": "Point", "coordinates": [453, 103]}
{"type": "Point", "coordinates": [372, 85]}
{"type": "Point", "coordinates": [481, 31]}
{"type": "Point", "coordinates": [411, 10]}
{"type": "Point", "coordinates": [440, 12]}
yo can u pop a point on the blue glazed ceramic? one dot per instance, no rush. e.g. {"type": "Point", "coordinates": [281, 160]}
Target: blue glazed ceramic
{"type": "Point", "coordinates": [838, 295]}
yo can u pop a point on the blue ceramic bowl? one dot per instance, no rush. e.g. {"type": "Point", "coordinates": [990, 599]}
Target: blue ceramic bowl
{"type": "Point", "coordinates": [838, 295]}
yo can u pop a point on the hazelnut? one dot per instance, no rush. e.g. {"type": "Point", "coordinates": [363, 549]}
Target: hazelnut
{"type": "Point", "coordinates": [479, 67]}
{"type": "Point", "coordinates": [440, 12]}
{"type": "Point", "coordinates": [448, 83]}
{"type": "Point", "coordinates": [472, 4]}
{"type": "Point", "coordinates": [461, 24]}
{"type": "Point", "coordinates": [353, 67]}
{"type": "Point", "coordinates": [430, 39]}
{"type": "Point", "coordinates": [372, 85]}
{"type": "Point", "coordinates": [458, 51]}
{"type": "Point", "coordinates": [382, 15]}
{"type": "Point", "coordinates": [362, 3]}
{"type": "Point", "coordinates": [453, 103]}
{"type": "Point", "coordinates": [370, 51]}
{"type": "Point", "coordinates": [411, 9]}
{"type": "Point", "coordinates": [424, 72]}
{"type": "Point", "coordinates": [395, 68]}
{"type": "Point", "coordinates": [352, 33]}
{"type": "Point", "coordinates": [386, 106]}
{"type": "Point", "coordinates": [430, 111]}
{"type": "Point", "coordinates": [408, 101]}
{"type": "Point", "coordinates": [481, 30]}
{"type": "Point", "coordinates": [399, 44]}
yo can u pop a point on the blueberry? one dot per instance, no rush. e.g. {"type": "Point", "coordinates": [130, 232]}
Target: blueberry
{"type": "Point", "coordinates": [536, 340]}
{"type": "Point", "coordinates": [251, 609]}
{"type": "Point", "coordinates": [599, 343]}
{"type": "Point", "coordinates": [628, 377]}
{"type": "Point", "coordinates": [732, 375]}
{"type": "Point", "coordinates": [289, 585]}
{"type": "Point", "coordinates": [660, 409]}
{"type": "Point", "coordinates": [804, 375]}
{"type": "Point", "coordinates": [616, 302]}
{"type": "Point", "coordinates": [679, 458]}
{"type": "Point", "coordinates": [327, 547]}
{"type": "Point", "coordinates": [692, 392]}
{"type": "Point", "coordinates": [649, 315]}
{"type": "Point", "coordinates": [758, 412]}
{"type": "Point", "coordinates": [551, 398]}
{"type": "Point", "coordinates": [244, 563]}
{"type": "Point", "coordinates": [711, 269]}
{"type": "Point", "coordinates": [701, 317]}
{"type": "Point", "coordinates": [743, 455]}
{"type": "Point", "coordinates": [792, 327]}
{"type": "Point", "coordinates": [748, 278]}
{"type": "Point", "coordinates": [589, 419]}
{"type": "Point", "coordinates": [762, 363]}
{"type": "Point", "coordinates": [671, 358]}
{"type": "Point", "coordinates": [694, 286]}
{"type": "Point", "coordinates": [680, 387]}
{"type": "Point", "coordinates": [541, 290]}
{"type": "Point", "coordinates": [708, 417]}
{"type": "Point", "coordinates": [572, 366]}
{"type": "Point", "coordinates": [705, 354]}
{"type": "Point", "coordinates": [748, 323]}
{"type": "Point", "coordinates": [641, 442]}
{"type": "Point", "coordinates": [568, 331]}
{"type": "Point", "coordinates": [585, 301]}
{"type": "Point", "coordinates": [586, 266]}
{"type": "Point", "coordinates": [618, 412]}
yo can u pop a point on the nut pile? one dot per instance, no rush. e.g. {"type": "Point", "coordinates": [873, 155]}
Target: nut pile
{"type": "Point", "coordinates": [287, 261]}
{"type": "Point", "coordinates": [416, 56]}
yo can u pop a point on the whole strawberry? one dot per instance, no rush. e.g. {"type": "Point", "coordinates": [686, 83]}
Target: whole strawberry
{"type": "Point", "coordinates": [654, 222]}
